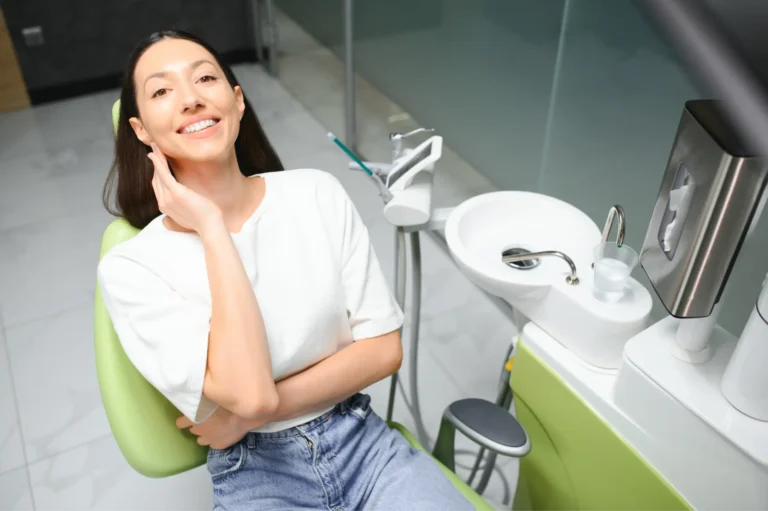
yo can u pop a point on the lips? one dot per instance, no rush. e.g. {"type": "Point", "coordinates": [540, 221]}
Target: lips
{"type": "Point", "coordinates": [197, 125]}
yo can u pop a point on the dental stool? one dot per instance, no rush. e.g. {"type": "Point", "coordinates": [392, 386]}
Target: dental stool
{"type": "Point", "coordinates": [143, 421]}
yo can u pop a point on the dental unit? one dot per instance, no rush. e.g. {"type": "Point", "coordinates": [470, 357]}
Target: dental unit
{"type": "Point", "coordinates": [623, 411]}
{"type": "Point", "coordinates": [675, 391]}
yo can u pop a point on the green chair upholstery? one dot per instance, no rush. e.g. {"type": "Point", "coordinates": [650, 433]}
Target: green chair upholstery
{"type": "Point", "coordinates": [115, 114]}
{"type": "Point", "coordinates": [142, 420]}
{"type": "Point", "coordinates": [469, 494]}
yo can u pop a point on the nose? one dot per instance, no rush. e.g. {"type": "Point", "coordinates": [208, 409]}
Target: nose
{"type": "Point", "coordinates": [190, 99]}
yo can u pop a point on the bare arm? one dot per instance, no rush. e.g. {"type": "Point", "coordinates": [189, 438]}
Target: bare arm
{"type": "Point", "coordinates": [338, 377]}
{"type": "Point", "coordinates": [238, 374]}
{"type": "Point", "coordinates": [328, 382]}
{"type": "Point", "coordinates": [239, 371]}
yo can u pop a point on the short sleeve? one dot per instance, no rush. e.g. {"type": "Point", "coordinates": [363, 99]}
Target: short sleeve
{"type": "Point", "coordinates": [164, 336]}
{"type": "Point", "coordinates": [372, 308]}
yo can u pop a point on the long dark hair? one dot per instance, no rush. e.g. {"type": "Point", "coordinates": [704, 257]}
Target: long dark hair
{"type": "Point", "coordinates": [128, 191]}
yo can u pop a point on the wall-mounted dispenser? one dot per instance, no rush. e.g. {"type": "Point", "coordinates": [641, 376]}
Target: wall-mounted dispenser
{"type": "Point", "coordinates": [708, 197]}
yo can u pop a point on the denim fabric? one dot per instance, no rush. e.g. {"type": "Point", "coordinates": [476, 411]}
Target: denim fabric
{"type": "Point", "coordinates": [347, 459]}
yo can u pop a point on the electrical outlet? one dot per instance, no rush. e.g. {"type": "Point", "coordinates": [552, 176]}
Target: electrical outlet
{"type": "Point", "coordinates": [33, 36]}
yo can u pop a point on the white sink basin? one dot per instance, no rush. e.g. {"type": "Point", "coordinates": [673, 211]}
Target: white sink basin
{"type": "Point", "coordinates": [481, 228]}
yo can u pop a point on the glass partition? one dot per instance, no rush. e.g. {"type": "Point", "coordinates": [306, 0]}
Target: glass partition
{"type": "Point", "coordinates": [479, 72]}
{"type": "Point", "coordinates": [578, 99]}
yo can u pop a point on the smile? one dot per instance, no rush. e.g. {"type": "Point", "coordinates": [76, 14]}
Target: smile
{"type": "Point", "coordinates": [199, 126]}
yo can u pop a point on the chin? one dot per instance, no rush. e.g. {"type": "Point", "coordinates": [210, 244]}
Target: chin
{"type": "Point", "coordinates": [201, 152]}
{"type": "Point", "coordinates": [202, 156]}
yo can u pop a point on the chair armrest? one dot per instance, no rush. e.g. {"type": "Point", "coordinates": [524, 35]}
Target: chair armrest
{"type": "Point", "coordinates": [484, 422]}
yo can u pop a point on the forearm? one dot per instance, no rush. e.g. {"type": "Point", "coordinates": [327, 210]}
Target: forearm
{"type": "Point", "coordinates": [337, 377]}
{"type": "Point", "coordinates": [239, 375]}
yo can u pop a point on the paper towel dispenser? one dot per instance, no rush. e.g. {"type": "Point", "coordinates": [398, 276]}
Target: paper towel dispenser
{"type": "Point", "coordinates": [709, 194]}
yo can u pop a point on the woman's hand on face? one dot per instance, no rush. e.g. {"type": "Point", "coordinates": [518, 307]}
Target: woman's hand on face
{"type": "Point", "coordinates": [220, 431]}
{"type": "Point", "coordinates": [187, 208]}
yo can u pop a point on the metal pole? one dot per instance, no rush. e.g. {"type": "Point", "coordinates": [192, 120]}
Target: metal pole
{"type": "Point", "coordinates": [257, 29]}
{"type": "Point", "coordinates": [349, 79]}
{"type": "Point", "coordinates": [272, 29]}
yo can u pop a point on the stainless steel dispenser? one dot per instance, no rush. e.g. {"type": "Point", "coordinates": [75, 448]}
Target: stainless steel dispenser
{"type": "Point", "coordinates": [709, 194]}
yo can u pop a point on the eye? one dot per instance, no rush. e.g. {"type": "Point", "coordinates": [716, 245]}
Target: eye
{"type": "Point", "coordinates": [207, 78]}
{"type": "Point", "coordinates": [159, 92]}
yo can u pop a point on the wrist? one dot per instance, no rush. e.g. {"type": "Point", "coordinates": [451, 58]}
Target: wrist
{"type": "Point", "coordinates": [212, 226]}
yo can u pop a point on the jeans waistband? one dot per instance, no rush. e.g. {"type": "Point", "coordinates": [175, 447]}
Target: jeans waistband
{"type": "Point", "coordinates": [300, 430]}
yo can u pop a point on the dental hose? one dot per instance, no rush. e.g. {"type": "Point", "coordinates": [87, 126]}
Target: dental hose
{"type": "Point", "coordinates": [400, 273]}
{"type": "Point", "coordinates": [414, 407]}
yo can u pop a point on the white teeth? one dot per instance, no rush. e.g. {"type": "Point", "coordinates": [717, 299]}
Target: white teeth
{"type": "Point", "coordinates": [199, 126]}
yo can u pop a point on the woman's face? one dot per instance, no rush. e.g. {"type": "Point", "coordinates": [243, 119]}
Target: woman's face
{"type": "Point", "coordinates": [186, 105]}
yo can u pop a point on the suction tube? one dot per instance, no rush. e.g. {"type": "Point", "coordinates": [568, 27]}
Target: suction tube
{"type": "Point", "coordinates": [414, 405]}
{"type": "Point", "coordinates": [413, 368]}
{"type": "Point", "coordinates": [400, 272]}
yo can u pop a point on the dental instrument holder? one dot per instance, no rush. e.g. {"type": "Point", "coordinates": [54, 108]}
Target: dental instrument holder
{"type": "Point", "coordinates": [409, 210]}
{"type": "Point", "coordinates": [708, 198]}
{"type": "Point", "coordinates": [412, 224]}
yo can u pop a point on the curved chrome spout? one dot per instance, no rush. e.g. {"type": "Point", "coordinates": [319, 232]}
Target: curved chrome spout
{"type": "Point", "coordinates": [613, 213]}
{"type": "Point", "coordinates": [397, 140]}
{"type": "Point", "coordinates": [571, 279]}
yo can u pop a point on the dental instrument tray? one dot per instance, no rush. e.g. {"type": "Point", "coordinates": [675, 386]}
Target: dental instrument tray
{"type": "Point", "coordinates": [406, 168]}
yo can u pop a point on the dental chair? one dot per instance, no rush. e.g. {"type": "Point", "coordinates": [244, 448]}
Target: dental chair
{"type": "Point", "coordinates": [143, 421]}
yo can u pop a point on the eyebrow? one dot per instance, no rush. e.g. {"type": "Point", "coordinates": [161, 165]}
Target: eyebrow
{"type": "Point", "coordinates": [193, 66]}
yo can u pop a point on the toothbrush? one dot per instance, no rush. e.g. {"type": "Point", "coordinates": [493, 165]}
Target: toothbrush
{"type": "Point", "coordinates": [383, 190]}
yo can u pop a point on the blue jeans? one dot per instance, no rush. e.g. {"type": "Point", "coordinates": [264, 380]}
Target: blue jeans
{"type": "Point", "coordinates": [347, 459]}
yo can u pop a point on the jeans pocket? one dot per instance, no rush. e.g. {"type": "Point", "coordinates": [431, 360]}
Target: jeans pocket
{"type": "Point", "coordinates": [225, 461]}
{"type": "Point", "coordinates": [359, 406]}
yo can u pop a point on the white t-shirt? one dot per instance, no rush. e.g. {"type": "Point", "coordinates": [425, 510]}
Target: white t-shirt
{"type": "Point", "coordinates": [314, 272]}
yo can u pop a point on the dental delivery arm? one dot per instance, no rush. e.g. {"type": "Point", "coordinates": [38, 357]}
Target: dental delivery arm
{"type": "Point", "coordinates": [239, 372]}
{"type": "Point", "coordinates": [330, 381]}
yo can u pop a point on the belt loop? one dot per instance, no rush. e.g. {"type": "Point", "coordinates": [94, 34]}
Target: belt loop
{"type": "Point", "coordinates": [250, 440]}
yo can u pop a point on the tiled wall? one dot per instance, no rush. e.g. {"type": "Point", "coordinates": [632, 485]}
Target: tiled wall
{"type": "Point", "coordinates": [86, 40]}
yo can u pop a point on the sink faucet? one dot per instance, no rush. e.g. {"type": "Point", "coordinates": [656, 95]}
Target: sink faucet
{"type": "Point", "coordinates": [612, 214]}
{"type": "Point", "coordinates": [571, 279]}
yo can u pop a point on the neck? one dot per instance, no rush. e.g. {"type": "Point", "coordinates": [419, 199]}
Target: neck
{"type": "Point", "coordinates": [219, 181]}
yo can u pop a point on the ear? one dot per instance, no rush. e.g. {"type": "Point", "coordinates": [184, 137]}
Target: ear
{"type": "Point", "coordinates": [138, 128]}
{"type": "Point", "coordinates": [240, 99]}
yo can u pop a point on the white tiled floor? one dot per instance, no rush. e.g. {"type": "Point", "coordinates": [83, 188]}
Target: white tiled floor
{"type": "Point", "coordinates": [56, 448]}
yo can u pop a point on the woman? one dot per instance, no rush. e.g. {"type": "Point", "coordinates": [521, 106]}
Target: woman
{"type": "Point", "coordinates": [252, 299]}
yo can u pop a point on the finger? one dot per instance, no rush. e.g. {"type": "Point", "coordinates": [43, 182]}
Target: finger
{"type": "Point", "coordinates": [155, 182]}
{"type": "Point", "coordinates": [202, 441]}
{"type": "Point", "coordinates": [160, 155]}
{"type": "Point", "coordinates": [183, 422]}
{"type": "Point", "coordinates": [161, 168]}
{"type": "Point", "coordinates": [158, 183]}
{"type": "Point", "coordinates": [159, 189]}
